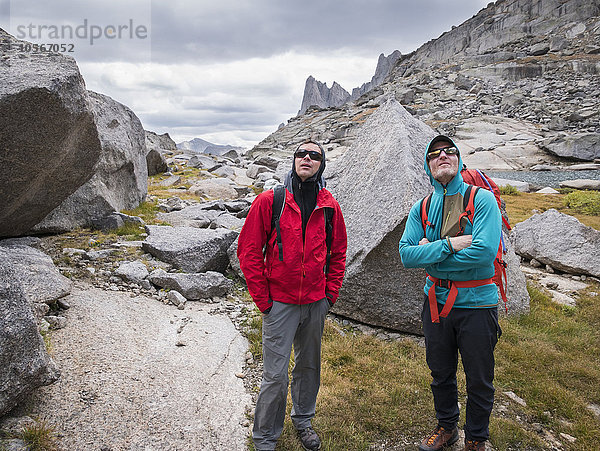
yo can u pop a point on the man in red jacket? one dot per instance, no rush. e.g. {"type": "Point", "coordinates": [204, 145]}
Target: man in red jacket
{"type": "Point", "coordinates": [293, 292]}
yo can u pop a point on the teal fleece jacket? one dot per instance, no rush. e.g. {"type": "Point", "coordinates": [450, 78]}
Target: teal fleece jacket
{"type": "Point", "coordinates": [473, 263]}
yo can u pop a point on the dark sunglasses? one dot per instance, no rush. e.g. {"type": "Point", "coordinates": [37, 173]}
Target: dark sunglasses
{"type": "Point", "coordinates": [436, 153]}
{"type": "Point", "coordinates": [312, 154]}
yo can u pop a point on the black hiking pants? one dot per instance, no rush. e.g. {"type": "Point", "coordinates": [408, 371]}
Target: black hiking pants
{"type": "Point", "coordinates": [473, 332]}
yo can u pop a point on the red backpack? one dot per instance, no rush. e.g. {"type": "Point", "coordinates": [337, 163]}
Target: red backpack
{"type": "Point", "coordinates": [477, 179]}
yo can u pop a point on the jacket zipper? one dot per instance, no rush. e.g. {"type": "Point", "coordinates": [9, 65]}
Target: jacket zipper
{"type": "Point", "coordinates": [443, 208]}
{"type": "Point", "coordinates": [302, 258]}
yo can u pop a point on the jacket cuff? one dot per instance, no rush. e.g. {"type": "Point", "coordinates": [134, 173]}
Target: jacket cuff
{"type": "Point", "coordinates": [331, 298]}
{"type": "Point", "coordinates": [264, 305]}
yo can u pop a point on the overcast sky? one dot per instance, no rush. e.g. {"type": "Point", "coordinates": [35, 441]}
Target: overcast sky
{"type": "Point", "coordinates": [227, 71]}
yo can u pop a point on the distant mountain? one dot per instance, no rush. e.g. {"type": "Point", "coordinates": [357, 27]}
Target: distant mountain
{"type": "Point", "coordinates": [318, 94]}
{"type": "Point", "coordinates": [199, 145]}
{"type": "Point", "coordinates": [384, 66]}
{"type": "Point", "coordinates": [517, 85]}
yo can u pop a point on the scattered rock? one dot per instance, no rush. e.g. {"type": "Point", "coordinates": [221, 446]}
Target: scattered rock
{"type": "Point", "coordinates": [176, 298]}
{"type": "Point", "coordinates": [547, 190]}
{"type": "Point", "coordinates": [219, 188]}
{"type": "Point", "coordinates": [581, 146]}
{"type": "Point", "coordinates": [35, 274]}
{"type": "Point", "coordinates": [559, 240]}
{"type": "Point", "coordinates": [521, 186]}
{"type": "Point", "coordinates": [190, 249]}
{"type": "Point", "coordinates": [568, 438]}
{"type": "Point", "coordinates": [513, 397]}
{"type": "Point", "coordinates": [193, 286]}
{"type": "Point", "coordinates": [581, 184]}
{"type": "Point", "coordinates": [157, 146]}
{"type": "Point", "coordinates": [132, 271]}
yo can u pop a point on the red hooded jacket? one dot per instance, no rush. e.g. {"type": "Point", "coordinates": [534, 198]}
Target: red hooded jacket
{"type": "Point", "coordinates": [300, 277]}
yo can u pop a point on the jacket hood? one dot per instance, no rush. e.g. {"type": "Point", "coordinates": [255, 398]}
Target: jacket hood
{"type": "Point", "coordinates": [318, 177]}
{"type": "Point", "coordinates": [456, 182]}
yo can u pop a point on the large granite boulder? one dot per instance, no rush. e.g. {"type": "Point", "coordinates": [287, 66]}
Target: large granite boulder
{"type": "Point", "coordinates": [580, 146]}
{"type": "Point", "coordinates": [35, 274]}
{"type": "Point", "coordinates": [381, 176]}
{"type": "Point", "coordinates": [190, 249]}
{"type": "Point", "coordinates": [158, 146]}
{"type": "Point", "coordinates": [191, 216]}
{"type": "Point", "coordinates": [378, 180]}
{"type": "Point", "coordinates": [217, 188]}
{"type": "Point", "coordinates": [194, 286]}
{"type": "Point", "coordinates": [581, 184]}
{"type": "Point", "coordinates": [559, 240]}
{"type": "Point", "coordinates": [49, 144]}
{"type": "Point", "coordinates": [120, 181]}
{"type": "Point", "coordinates": [516, 292]}
{"type": "Point", "coordinates": [234, 261]}
{"type": "Point", "coordinates": [23, 358]}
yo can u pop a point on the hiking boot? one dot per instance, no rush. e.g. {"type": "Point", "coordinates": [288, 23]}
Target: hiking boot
{"type": "Point", "coordinates": [439, 439]}
{"type": "Point", "coordinates": [474, 445]}
{"type": "Point", "coordinates": [309, 439]}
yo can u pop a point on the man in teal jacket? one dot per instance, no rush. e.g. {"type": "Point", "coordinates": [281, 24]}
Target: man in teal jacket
{"type": "Point", "coordinates": [458, 257]}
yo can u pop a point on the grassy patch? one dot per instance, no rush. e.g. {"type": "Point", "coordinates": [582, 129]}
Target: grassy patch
{"type": "Point", "coordinates": [253, 332]}
{"type": "Point", "coordinates": [509, 190]}
{"type": "Point", "coordinates": [370, 390]}
{"type": "Point", "coordinates": [374, 391]}
{"type": "Point", "coordinates": [521, 207]}
{"type": "Point", "coordinates": [508, 435]}
{"type": "Point", "coordinates": [584, 202]}
{"type": "Point", "coordinates": [550, 358]}
{"type": "Point", "coordinates": [47, 340]}
{"type": "Point", "coordinates": [147, 210]}
{"type": "Point", "coordinates": [40, 437]}
{"type": "Point", "coordinates": [130, 230]}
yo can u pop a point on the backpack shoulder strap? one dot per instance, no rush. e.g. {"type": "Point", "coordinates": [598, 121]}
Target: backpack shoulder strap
{"type": "Point", "coordinates": [278, 206]}
{"type": "Point", "coordinates": [469, 201]}
{"type": "Point", "coordinates": [425, 203]}
{"type": "Point", "coordinates": [468, 207]}
{"type": "Point", "coordinates": [328, 213]}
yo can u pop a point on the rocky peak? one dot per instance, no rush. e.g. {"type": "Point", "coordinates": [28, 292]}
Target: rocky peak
{"type": "Point", "coordinates": [516, 85]}
{"type": "Point", "coordinates": [384, 66]}
{"type": "Point", "coordinates": [318, 94]}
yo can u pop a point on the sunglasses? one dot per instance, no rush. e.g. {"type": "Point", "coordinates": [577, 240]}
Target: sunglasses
{"type": "Point", "coordinates": [436, 153]}
{"type": "Point", "coordinates": [312, 154]}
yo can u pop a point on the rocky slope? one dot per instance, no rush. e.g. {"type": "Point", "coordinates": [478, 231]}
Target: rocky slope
{"type": "Point", "coordinates": [519, 79]}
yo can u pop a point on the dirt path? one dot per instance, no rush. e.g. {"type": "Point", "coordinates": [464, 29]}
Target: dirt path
{"type": "Point", "coordinates": [141, 375]}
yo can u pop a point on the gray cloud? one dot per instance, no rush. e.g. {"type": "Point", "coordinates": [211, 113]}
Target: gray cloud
{"type": "Point", "coordinates": [232, 30]}
{"type": "Point", "coordinates": [234, 69]}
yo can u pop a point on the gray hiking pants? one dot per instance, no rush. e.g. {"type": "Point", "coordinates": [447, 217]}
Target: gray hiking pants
{"type": "Point", "coordinates": [287, 324]}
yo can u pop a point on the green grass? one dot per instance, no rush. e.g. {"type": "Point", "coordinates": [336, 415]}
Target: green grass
{"type": "Point", "coordinates": [47, 340]}
{"type": "Point", "coordinates": [130, 230]}
{"type": "Point", "coordinates": [509, 190]}
{"type": "Point", "coordinates": [374, 391]}
{"type": "Point", "coordinates": [521, 207]}
{"type": "Point", "coordinates": [584, 202]}
{"type": "Point", "coordinates": [147, 210]}
{"type": "Point", "coordinates": [40, 437]}
{"type": "Point", "coordinates": [551, 359]}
